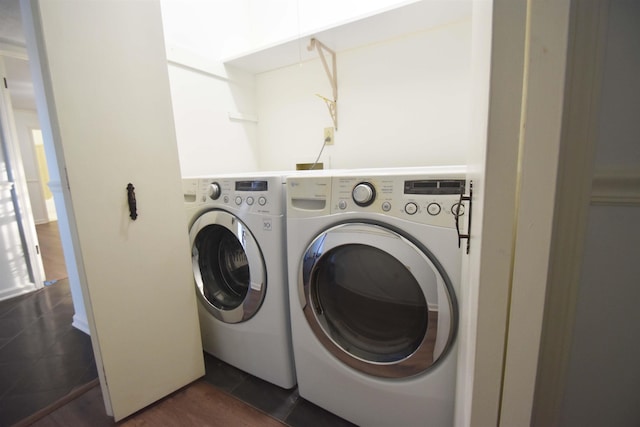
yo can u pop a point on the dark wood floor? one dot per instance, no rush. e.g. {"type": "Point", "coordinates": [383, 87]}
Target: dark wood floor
{"type": "Point", "coordinates": [42, 357]}
{"type": "Point", "coordinates": [51, 250]}
{"type": "Point", "coordinates": [199, 404]}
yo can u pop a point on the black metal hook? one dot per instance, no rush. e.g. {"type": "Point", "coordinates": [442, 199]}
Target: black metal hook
{"type": "Point", "coordinates": [131, 199]}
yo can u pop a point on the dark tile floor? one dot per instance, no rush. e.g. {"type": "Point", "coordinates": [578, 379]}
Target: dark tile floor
{"type": "Point", "coordinates": [43, 358]}
{"type": "Point", "coordinates": [285, 405]}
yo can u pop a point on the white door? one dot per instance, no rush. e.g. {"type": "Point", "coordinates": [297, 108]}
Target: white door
{"type": "Point", "coordinates": [498, 35]}
{"type": "Point", "coordinates": [102, 89]}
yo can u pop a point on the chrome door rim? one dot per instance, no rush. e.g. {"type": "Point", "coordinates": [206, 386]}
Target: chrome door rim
{"type": "Point", "coordinates": [257, 271]}
{"type": "Point", "coordinates": [408, 252]}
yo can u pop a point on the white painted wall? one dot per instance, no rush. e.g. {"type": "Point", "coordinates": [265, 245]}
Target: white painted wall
{"type": "Point", "coordinates": [403, 102]}
{"type": "Point", "coordinates": [619, 145]}
{"type": "Point", "coordinates": [200, 33]}
{"type": "Point", "coordinates": [603, 373]}
{"type": "Point", "coordinates": [209, 140]}
{"type": "Point", "coordinates": [396, 98]}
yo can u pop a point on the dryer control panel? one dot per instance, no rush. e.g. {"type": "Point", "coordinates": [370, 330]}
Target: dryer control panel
{"type": "Point", "coordinates": [422, 199]}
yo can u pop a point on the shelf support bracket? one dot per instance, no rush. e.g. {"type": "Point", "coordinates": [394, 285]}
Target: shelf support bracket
{"type": "Point", "coordinates": [331, 74]}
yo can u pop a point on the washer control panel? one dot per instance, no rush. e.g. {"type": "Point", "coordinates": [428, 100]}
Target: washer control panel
{"type": "Point", "coordinates": [426, 200]}
{"type": "Point", "coordinates": [257, 195]}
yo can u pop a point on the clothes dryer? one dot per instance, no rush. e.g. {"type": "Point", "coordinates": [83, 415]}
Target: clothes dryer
{"type": "Point", "coordinates": [238, 250]}
{"type": "Point", "coordinates": [374, 274]}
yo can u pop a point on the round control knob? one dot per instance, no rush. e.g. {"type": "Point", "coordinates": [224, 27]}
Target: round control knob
{"type": "Point", "coordinates": [433, 209]}
{"type": "Point", "coordinates": [363, 194]}
{"type": "Point", "coordinates": [411, 208]}
{"type": "Point", "coordinates": [250, 200]}
{"type": "Point", "coordinates": [455, 207]}
{"type": "Point", "coordinates": [214, 191]}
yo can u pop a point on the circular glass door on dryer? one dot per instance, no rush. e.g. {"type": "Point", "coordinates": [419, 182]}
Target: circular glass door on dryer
{"type": "Point", "coordinates": [228, 267]}
{"type": "Point", "coordinates": [379, 302]}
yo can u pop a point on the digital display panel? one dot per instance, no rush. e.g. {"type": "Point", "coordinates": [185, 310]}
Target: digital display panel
{"type": "Point", "coordinates": [434, 186]}
{"type": "Point", "coordinates": [251, 185]}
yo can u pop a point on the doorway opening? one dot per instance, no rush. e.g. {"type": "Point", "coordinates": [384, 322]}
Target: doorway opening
{"type": "Point", "coordinates": [46, 218]}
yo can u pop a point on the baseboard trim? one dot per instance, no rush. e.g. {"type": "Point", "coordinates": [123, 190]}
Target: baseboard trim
{"type": "Point", "coordinates": [16, 291]}
{"type": "Point", "coordinates": [616, 187]}
{"type": "Point", "coordinates": [81, 324]}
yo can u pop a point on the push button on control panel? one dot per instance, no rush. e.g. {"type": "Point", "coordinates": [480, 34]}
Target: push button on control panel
{"type": "Point", "coordinates": [434, 209]}
{"type": "Point", "coordinates": [386, 206]}
{"type": "Point", "coordinates": [250, 200]}
{"type": "Point", "coordinates": [238, 200]}
{"type": "Point", "coordinates": [342, 205]}
{"type": "Point", "coordinates": [262, 201]}
{"type": "Point", "coordinates": [411, 208]}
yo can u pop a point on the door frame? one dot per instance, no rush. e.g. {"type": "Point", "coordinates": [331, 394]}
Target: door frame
{"type": "Point", "coordinates": [585, 25]}
{"type": "Point", "coordinates": [514, 372]}
{"type": "Point", "coordinates": [14, 165]}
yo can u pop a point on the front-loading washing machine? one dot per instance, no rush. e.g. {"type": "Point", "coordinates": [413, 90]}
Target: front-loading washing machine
{"type": "Point", "coordinates": [374, 274]}
{"type": "Point", "coordinates": [238, 250]}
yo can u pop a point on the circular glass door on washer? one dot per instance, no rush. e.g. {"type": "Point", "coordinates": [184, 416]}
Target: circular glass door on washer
{"type": "Point", "coordinates": [374, 293]}
{"type": "Point", "coordinates": [237, 235]}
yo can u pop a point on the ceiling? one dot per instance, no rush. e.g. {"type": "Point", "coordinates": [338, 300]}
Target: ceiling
{"type": "Point", "coordinates": [13, 48]}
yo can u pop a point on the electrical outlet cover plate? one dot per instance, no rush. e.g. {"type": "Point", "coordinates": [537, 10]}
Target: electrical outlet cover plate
{"type": "Point", "coordinates": [328, 133]}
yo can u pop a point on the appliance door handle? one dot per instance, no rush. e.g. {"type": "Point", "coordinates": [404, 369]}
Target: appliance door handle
{"type": "Point", "coordinates": [456, 215]}
{"type": "Point", "coordinates": [131, 199]}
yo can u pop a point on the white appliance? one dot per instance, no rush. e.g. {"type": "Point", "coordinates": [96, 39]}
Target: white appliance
{"type": "Point", "coordinates": [374, 270]}
{"type": "Point", "coordinates": [237, 234]}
